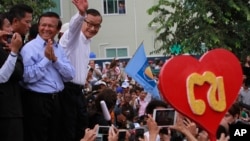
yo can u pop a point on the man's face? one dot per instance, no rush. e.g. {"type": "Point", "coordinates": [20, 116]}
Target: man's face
{"type": "Point", "coordinates": [91, 25]}
{"type": "Point", "coordinates": [143, 94]}
{"type": "Point", "coordinates": [48, 27]}
{"type": "Point", "coordinates": [229, 118]}
{"type": "Point", "coordinates": [7, 26]}
{"type": "Point", "coordinates": [92, 63]}
{"type": "Point", "coordinates": [23, 25]}
{"type": "Point", "coordinates": [127, 97]}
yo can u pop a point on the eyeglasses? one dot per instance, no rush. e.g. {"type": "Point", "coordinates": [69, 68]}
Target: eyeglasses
{"type": "Point", "coordinates": [90, 25]}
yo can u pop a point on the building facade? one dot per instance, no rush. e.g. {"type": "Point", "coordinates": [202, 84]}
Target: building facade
{"type": "Point", "coordinates": [124, 27]}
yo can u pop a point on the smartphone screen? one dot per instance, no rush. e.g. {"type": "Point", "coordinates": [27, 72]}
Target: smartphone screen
{"type": "Point", "coordinates": [122, 134]}
{"type": "Point", "coordinates": [104, 130]}
{"type": "Point", "coordinates": [164, 117]}
{"type": "Point", "coordinates": [139, 133]}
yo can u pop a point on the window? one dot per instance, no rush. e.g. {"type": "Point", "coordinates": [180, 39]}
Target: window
{"type": "Point", "coordinates": [114, 6]}
{"type": "Point", "coordinates": [116, 52]}
{"type": "Point", "coordinates": [57, 8]}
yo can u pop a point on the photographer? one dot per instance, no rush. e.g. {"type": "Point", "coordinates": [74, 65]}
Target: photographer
{"type": "Point", "coordinates": [9, 49]}
{"type": "Point", "coordinates": [11, 71]}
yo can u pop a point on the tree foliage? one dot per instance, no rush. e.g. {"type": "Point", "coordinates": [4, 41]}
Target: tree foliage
{"type": "Point", "coordinates": [39, 6]}
{"type": "Point", "coordinates": [191, 23]}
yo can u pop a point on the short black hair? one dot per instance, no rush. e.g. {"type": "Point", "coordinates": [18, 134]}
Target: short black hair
{"type": "Point", "coordinates": [93, 12]}
{"type": "Point", "coordinates": [154, 104]}
{"type": "Point", "coordinates": [132, 90]}
{"type": "Point", "coordinates": [51, 14]}
{"type": "Point", "coordinates": [109, 96]}
{"type": "Point", "coordinates": [18, 11]}
{"type": "Point", "coordinates": [33, 31]}
{"type": "Point", "coordinates": [2, 17]}
{"type": "Point", "coordinates": [234, 109]}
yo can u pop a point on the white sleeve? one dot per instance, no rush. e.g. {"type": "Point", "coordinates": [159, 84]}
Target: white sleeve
{"type": "Point", "coordinates": [7, 69]}
{"type": "Point", "coordinates": [75, 28]}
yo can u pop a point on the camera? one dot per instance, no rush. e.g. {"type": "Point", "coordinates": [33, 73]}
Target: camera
{"type": "Point", "coordinates": [122, 134]}
{"type": "Point", "coordinates": [139, 133]}
{"type": "Point", "coordinates": [104, 130]}
{"type": "Point", "coordinates": [9, 37]}
{"type": "Point", "coordinates": [102, 133]}
{"type": "Point", "coordinates": [164, 117]}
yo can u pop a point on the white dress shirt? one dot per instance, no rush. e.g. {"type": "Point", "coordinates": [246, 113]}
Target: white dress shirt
{"type": "Point", "coordinates": [77, 48]}
{"type": "Point", "coordinates": [7, 69]}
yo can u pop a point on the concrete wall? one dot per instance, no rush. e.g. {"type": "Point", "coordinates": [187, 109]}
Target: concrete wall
{"type": "Point", "coordinates": [127, 30]}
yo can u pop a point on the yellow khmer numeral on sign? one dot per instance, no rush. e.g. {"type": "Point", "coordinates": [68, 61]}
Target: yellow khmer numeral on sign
{"type": "Point", "coordinates": [198, 106]}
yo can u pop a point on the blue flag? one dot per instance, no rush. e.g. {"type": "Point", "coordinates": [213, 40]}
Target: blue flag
{"type": "Point", "coordinates": [139, 69]}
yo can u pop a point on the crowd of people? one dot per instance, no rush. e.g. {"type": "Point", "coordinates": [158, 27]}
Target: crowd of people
{"type": "Point", "coordinates": [51, 91]}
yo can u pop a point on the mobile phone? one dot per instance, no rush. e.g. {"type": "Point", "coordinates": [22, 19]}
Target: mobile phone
{"type": "Point", "coordinates": [122, 134]}
{"type": "Point", "coordinates": [139, 133]}
{"type": "Point", "coordinates": [164, 130]}
{"type": "Point", "coordinates": [103, 130]}
{"type": "Point", "coordinates": [9, 37]}
{"type": "Point", "coordinates": [164, 117]}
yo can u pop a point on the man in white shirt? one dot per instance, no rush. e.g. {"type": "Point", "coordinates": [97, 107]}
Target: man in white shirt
{"type": "Point", "coordinates": [244, 96]}
{"type": "Point", "coordinates": [7, 68]}
{"type": "Point", "coordinates": [76, 42]}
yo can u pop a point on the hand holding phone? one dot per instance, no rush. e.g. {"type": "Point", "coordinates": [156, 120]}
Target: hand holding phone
{"type": "Point", "coordinates": [9, 37]}
{"type": "Point", "coordinates": [122, 134]}
{"type": "Point", "coordinates": [139, 133]}
{"type": "Point", "coordinates": [15, 42]}
{"type": "Point", "coordinates": [164, 117]}
{"type": "Point", "coordinates": [103, 130]}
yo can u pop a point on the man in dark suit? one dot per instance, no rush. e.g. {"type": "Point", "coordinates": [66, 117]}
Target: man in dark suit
{"type": "Point", "coordinates": [11, 114]}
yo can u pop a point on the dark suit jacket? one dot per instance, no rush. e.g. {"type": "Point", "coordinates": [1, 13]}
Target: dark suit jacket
{"type": "Point", "coordinates": [10, 98]}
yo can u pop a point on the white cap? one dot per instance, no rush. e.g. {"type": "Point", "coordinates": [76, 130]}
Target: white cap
{"type": "Point", "coordinates": [107, 63]}
{"type": "Point", "coordinates": [97, 66]}
{"type": "Point", "coordinates": [64, 27]}
{"type": "Point", "coordinates": [104, 76]}
{"type": "Point", "coordinates": [100, 82]}
{"type": "Point", "coordinates": [125, 84]}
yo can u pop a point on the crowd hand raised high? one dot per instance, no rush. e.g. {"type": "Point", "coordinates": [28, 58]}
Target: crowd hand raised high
{"type": "Point", "coordinates": [113, 134]}
{"type": "Point", "coordinates": [152, 128]}
{"type": "Point", "coordinates": [16, 43]}
{"type": "Point", "coordinates": [127, 136]}
{"type": "Point", "coordinates": [191, 126]}
{"type": "Point", "coordinates": [49, 51]}
{"type": "Point", "coordinates": [202, 136]}
{"type": "Point", "coordinates": [180, 126]}
{"type": "Point", "coordinates": [81, 5]}
{"type": "Point", "coordinates": [90, 134]}
{"type": "Point", "coordinates": [223, 137]}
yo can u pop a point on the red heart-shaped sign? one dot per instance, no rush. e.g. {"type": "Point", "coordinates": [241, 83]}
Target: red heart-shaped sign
{"type": "Point", "coordinates": [204, 89]}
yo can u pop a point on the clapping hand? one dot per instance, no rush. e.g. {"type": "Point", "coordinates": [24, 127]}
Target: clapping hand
{"type": "Point", "coordinates": [49, 51]}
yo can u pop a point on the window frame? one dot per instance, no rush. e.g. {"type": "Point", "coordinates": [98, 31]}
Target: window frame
{"type": "Point", "coordinates": [116, 51]}
{"type": "Point", "coordinates": [116, 10]}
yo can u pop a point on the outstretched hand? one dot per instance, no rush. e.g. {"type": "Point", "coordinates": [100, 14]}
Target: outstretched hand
{"type": "Point", "coordinates": [90, 134]}
{"type": "Point", "coordinates": [81, 5]}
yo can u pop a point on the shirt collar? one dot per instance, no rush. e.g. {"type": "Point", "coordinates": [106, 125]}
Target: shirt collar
{"type": "Point", "coordinates": [85, 39]}
{"type": "Point", "coordinates": [40, 40]}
